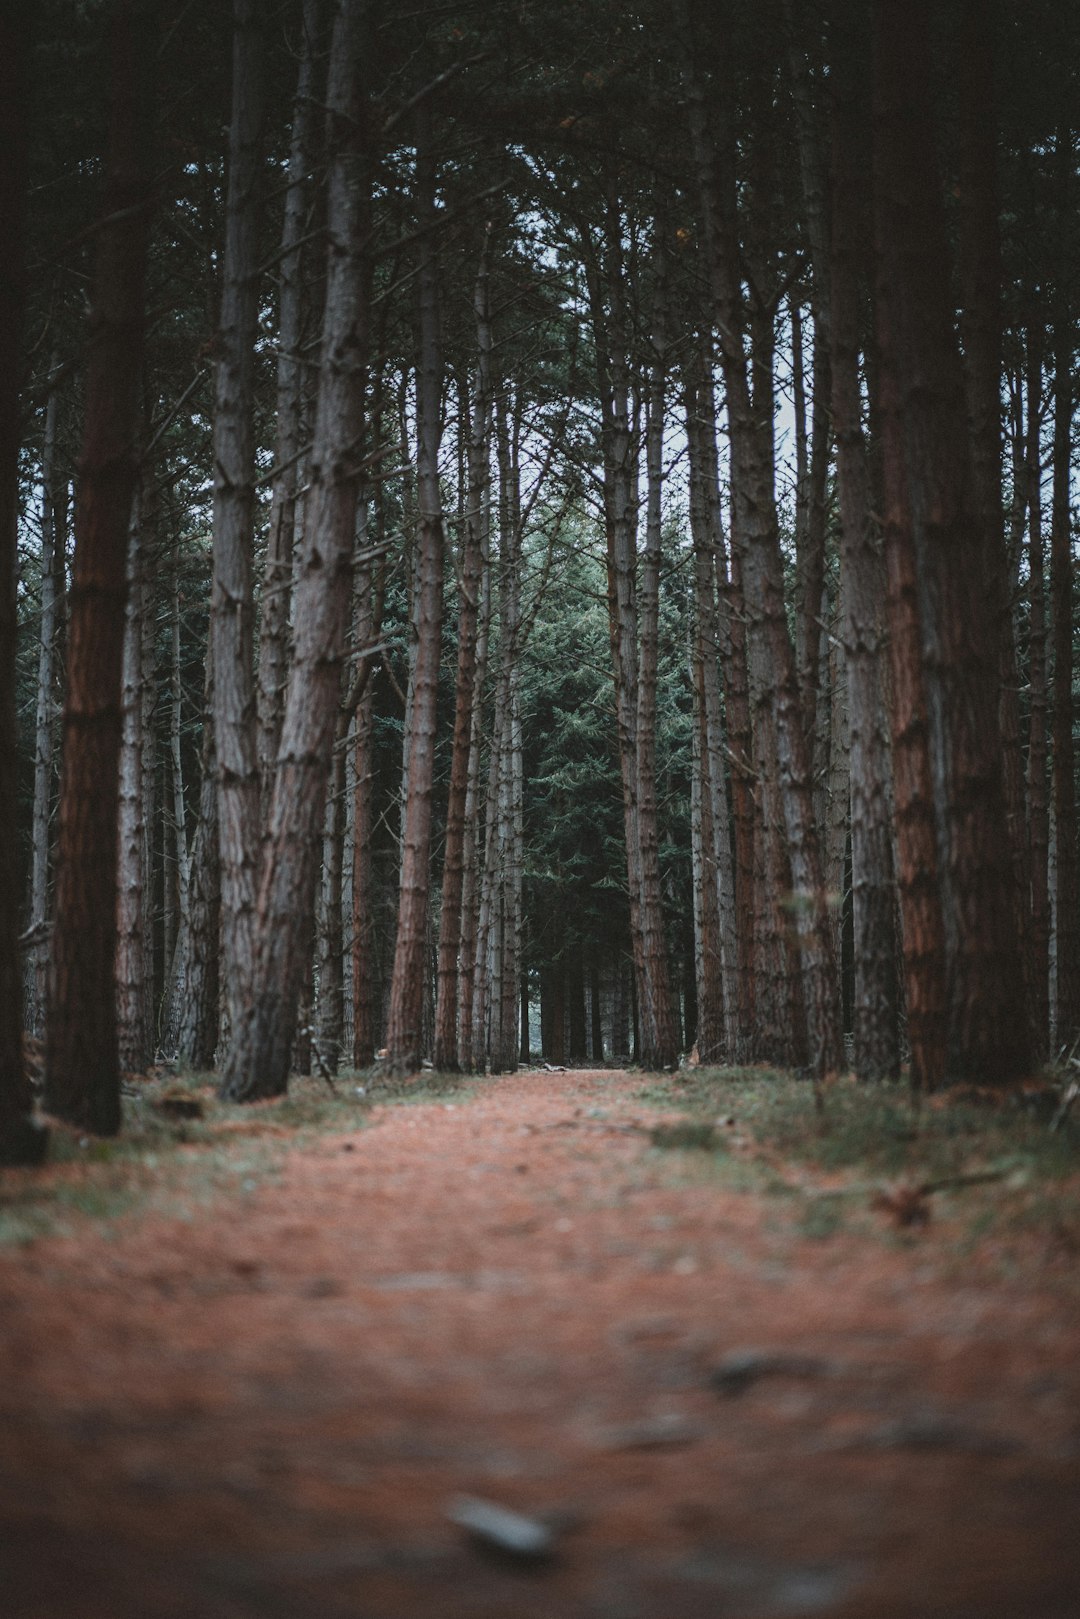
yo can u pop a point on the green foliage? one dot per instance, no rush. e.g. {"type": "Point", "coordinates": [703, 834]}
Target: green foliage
{"type": "Point", "coordinates": [573, 816]}
{"type": "Point", "coordinates": [576, 864]}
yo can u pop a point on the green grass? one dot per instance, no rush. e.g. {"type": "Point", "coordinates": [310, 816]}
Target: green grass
{"type": "Point", "coordinates": [178, 1167]}
{"type": "Point", "coordinates": [688, 1133]}
{"type": "Point", "coordinates": [829, 1159]}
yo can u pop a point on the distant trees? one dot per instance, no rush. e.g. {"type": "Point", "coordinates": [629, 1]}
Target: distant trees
{"type": "Point", "coordinates": [602, 554]}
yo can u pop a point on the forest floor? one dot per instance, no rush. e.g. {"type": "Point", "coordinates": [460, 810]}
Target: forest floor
{"type": "Point", "coordinates": [255, 1375]}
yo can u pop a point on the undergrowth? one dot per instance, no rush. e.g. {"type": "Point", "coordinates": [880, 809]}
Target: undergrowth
{"type": "Point", "coordinates": [181, 1148]}
{"type": "Point", "coordinates": [855, 1146]}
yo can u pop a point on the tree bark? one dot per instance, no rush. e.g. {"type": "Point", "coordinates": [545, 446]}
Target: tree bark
{"type": "Point", "coordinates": [471, 876]}
{"type": "Point", "coordinates": [486, 1022]}
{"type": "Point", "coordinates": [330, 919]}
{"type": "Point", "coordinates": [747, 827]}
{"type": "Point", "coordinates": [810, 645]}
{"type": "Point", "coordinates": [596, 1024]}
{"type": "Point", "coordinates": [657, 977]}
{"type": "Point", "coordinates": [987, 1034]}
{"type": "Point", "coordinates": [329, 1031]}
{"type": "Point", "coordinates": [369, 588]}
{"type": "Point", "coordinates": [193, 995]}
{"type": "Point", "coordinates": [404, 1027]}
{"type": "Point", "coordinates": [812, 509]}
{"type": "Point", "coordinates": [711, 1003]}
{"type": "Point", "coordinates": [578, 1052]}
{"type": "Point", "coordinates": [258, 1063]}
{"type": "Point", "coordinates": [176, 761]}
{"type": "Point", "coordinates": [1038, 808]}
{"type": "Point", "coordinates": [511, 871]}
{"type": "Point", "coordinates": [472, 565]}
{"type": "Point", "coordinates": [277, 571]}
{"type": "Point", "coordinates": [82, 1080]}
{"type": "Point", "coordinates": [979, 278]}
{"type": "Point", "coordinates": [916, 844]}
{"type": "Point", "coordinates": [719, 915]}
{"type": "Point", "coordinates": [232, 605]}
{"type": "Point", "coordinates": [53, 573]}
{"type": "Point", "coordinates": [153, 917]}
{"type": "Point", "coordinates": [1065, 992]}
{"type": "Point", "coordinates": [19, 1142]}
{"type": "Point", "coordinates": [862, 579]}
{"type": "Point", "coordinates": [607, 295]}
{"type": "Point", "coordinates": [133, 1032]}
{"type": "Point", "coordinates": [750, 420]}
{"type": "Point", "coordinates": [620, 514]}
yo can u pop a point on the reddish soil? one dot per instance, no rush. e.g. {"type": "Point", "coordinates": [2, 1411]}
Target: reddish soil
{"type": "Point", "coordinates": [265, 1411]}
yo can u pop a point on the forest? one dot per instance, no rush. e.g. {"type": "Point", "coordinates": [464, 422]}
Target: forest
{"type": "Point", "coordinates": [536, 530]}
{"type": "Point", "coordinates": [539, 890]}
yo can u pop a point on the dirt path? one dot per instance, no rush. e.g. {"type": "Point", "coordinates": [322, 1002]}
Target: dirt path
{"type": "Point", "coordinates": [266, 1412]}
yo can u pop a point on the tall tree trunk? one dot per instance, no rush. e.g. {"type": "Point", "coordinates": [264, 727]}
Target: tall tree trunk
{"type": "Point", "coordinates": [19, 1143]}
{"type": "Point", "coordinates": [152, 909]}
{"type": "Point", "coordinates": [82, 1080]}
{"type": "Point", "coordinates": [133, 1032]}
{"type": "Point", "coordinates": [369, 592]}
{"type": "Point", "coordinates": [750, 420]}
{"type": "Point", "coordinates": [721, 998]}
{"type": "Point", "coordinates": [258, 1063]}
{"type": "Point", "coordinates": [665, 1051]}
{"type": "Point", "coordinates": [923, 930]}
{"type": "Point", "coordinates": [487, 897]}
{"type": "Point", "coordinates": [810, 644]}
{"type": "Point", "coordinates": [329, 1030]}
{"type": "Point", "coordinates": [232, 604]}
{"type": "Point", "coordinates": [277, 572]}
{"type": "Point", "coordinates": [987, 1034]}
{"type": "Point", "coordinates": [812, 508]}
{"type": "Point", "coordinates": [330, 918]}
{"type": "Point", "coordinates": [193, 995]}
{"type": "Point", "coordinates": [862, 578]}
{"type": "Point", "coordinates": [486, 1017]}
{"type": "Point", "coordinates": [980, 281]}
{"type": "Point", "coordinates": [1065, 992]}
{"type": "Point", "coordinates": [472, 564]}
{"type": "Point", "coordinates": [578, 1052]}
{"type": "Point", "coordinates": [835, 729]}
{"type": "Point", "coordinates": [364, 970]}
{"type": "Point", "coordinates": [176, 760]}
{"type": "Point", "coordinates": [708, 962]}
{"type": "Point", "coordinates": [53, 570]}
{"type": "Point", "coordinates": [191, 1025]}
{"type": "Point", "coordinates": [1038, 808]}
{"type": "Point", "coordinates": [607, 295]}
{"type": "Point", "coordinates": [470, 876]}
{"type": "Point", "coordinates": [512, 812]}
{"type": "Point", "coordinates": [404, 1029]}
{"type": "Point", "coordinates": [747, 828]}
{"type": "Point", "coordinates": [620, 1007]}
{"type": "Point", "coordinates": [557, 1039]}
